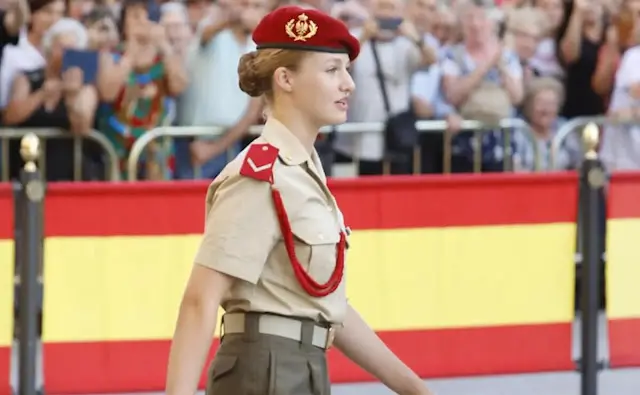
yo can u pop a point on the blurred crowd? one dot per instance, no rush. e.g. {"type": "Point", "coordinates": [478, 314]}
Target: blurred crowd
{"type": "Point", "coordinates": [122, 68]}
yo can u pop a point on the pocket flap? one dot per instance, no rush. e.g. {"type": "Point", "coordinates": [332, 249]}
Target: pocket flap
{"type": "Point", "coordinates": [223, 364]}
{"type": "Point", "coordinates": [315, 233]}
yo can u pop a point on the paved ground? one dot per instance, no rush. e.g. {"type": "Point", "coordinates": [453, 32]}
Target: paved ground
{"type": "Point", "coordinates": [611, 382]}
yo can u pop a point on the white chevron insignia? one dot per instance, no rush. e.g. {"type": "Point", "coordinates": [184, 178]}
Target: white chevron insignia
{"type": "Point", "coordinates": [258, 169]}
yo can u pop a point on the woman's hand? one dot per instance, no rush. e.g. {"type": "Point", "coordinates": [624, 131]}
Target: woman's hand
{"type": "Point", "coordinates": [72, 81]}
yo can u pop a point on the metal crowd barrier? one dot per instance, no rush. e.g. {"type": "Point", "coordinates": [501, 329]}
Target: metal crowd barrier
{"type": "Point", "coordinates": [45, 134]}
{"type": "Point", "coordinates": [577, 124]}
{"type": "Point", "coordinates": [359, 128]}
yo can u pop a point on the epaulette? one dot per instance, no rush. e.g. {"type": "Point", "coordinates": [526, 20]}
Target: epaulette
{"type": "Point", "coordinates": [259, 161]}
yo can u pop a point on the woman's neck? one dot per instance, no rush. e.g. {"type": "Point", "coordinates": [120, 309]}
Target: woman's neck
{"type": "Point", "coordinates": [541, 132]}
{"type": "Point", "coordinates": [34, 38]}
{"type": "Point", "coordinates": [298, 125]}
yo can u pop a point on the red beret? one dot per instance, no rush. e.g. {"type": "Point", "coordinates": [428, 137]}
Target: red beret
{"type": "Point", "coordinates": [293, 27]}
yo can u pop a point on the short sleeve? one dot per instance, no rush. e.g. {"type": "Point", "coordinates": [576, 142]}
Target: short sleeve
{"type": "Point", "coordinates": [241, 229]}
{"type": "Point", "coordinates": [514, 67]}
{"type": "Point", "coordinates": [425, 85]}
{"type": "Point", "coordinates": [449, 66]}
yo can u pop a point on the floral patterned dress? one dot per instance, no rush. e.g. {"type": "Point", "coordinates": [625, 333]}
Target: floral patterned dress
{"type": "Point", "coordinates": [141, 105]}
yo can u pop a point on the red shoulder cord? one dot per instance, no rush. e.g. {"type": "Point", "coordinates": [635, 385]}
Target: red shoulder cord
{"type": "Point", "coordinates": [311, 286]}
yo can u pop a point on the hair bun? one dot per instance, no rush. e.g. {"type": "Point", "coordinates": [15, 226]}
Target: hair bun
{"type": "Point", "coordinates": [249, 78]}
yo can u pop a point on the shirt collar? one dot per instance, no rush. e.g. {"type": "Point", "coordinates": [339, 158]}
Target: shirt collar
{"type": "Point", "coordinates": [292, 152]}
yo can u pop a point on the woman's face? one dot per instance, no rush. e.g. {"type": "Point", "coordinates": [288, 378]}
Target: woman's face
{"type": "Point", "coordinates": [554, 11]}
{"type": "Point", "coordinates": [322, 85]}
{"type": "Point", "coordinates": [544, 108]}
{"type": "Point", "coordinates": [476, 24]}
{"type": "Point", "coordinates": [60, 43]}
{"type": "Point", "coordinates": [80, 8]}
{"type": "Point", "coordinates": [103, 34]}
{"type": "Point", "coordinates": [525, 40]}
{"type": "Point", "coordinates": [136, 20]}
{"type": "Point", "coordinates": [46, 16]}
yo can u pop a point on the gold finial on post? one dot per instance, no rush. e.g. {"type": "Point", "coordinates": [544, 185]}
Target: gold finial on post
{"type": "Point", "coordinates": [30, 150]}
{"type": "Point", "coordinates": [590, 139]}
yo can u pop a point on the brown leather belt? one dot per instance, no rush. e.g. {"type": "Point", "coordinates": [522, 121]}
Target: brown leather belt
{"type": "Point", "coordinates": [276, 325]}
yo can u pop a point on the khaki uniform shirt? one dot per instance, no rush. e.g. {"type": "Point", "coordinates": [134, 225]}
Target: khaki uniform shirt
{"type": "Point", "coordinates": [242, 235]}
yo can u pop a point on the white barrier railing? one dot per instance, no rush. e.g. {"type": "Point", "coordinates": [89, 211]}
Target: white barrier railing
{"type": "Point", "coordinates": [358, 128]}
{"type": "Point", "coordinates": [45, 134]}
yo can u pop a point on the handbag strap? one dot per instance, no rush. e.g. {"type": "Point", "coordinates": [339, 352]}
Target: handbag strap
{"type": "Point", "coordinates": [380, 78]}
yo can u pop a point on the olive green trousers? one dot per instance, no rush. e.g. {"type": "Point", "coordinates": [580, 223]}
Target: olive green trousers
{"type": "Point", "coordinates": [252, 363]}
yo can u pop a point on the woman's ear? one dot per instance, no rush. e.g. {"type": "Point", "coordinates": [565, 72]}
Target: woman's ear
{"type": "Point", "coordinates": [283, 78]}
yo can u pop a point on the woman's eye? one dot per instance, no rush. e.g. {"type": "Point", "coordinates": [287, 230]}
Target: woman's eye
{"type": "Point", "coordinates": [332, 70]}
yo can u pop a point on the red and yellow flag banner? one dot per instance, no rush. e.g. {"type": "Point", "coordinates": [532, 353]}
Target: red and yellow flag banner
{"type": "Point", "coordinates": [6, 285]}
{"type": "Point", "coordinates": [459, 275]}
{"type": "Point", "coordinates": [623, 269]}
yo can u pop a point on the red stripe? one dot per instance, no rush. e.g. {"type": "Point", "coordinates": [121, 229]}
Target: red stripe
{"type": "Point", "coordinates": [624, 339]}
{"type": "Point", "coordinates": [5, 369]}
{"type": "Point", "coordinates": [110, 367]}
{"type": "Point", "coordinates": [374, 203]}
{"type": "Point", "coordinates": [6, 211]}
{"type": "Point", "coordinates": [623, 195]}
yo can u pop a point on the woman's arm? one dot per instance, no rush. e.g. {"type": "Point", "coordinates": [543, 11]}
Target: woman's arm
{"type": "Point", "coordinates": [604, 77]}
{"type": "Point", "coordinates": [81, 109]}
{"type": "Point", "coordinates": [360, 343]}
{"type": "Point", "coordinates": [512, 84]}
{"type": "Point", "coordinates": [112, 75]}
{"type": "Point", "coordinates": [22, 102]}
{"type": "Point", "coordinates": [572, 40]}
{"type": "Point", "coordinates": [195, 328]}
{"type": "Point", "coordinates": [176, 74]}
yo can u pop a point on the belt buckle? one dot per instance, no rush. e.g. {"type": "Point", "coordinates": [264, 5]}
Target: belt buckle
{"type": "Point", "coordinates": [331, 335]}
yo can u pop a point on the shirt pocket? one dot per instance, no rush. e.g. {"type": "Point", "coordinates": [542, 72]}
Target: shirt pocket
{"type": "Point", "coordinates": [317, 239]}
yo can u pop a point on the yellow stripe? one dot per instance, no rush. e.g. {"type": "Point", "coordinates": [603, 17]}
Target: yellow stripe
{"type": "Point", "coordinates": [6, 292]}
{"type": "Point", "coordinates": [121, 288]}
{"type": "Point", "coordinates": [623, 268]}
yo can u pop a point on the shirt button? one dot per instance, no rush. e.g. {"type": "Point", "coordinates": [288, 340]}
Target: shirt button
{"type": "Point", "coordinates": [330, 209]}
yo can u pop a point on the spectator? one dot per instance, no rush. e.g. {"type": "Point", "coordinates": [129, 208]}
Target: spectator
{"type": "Point", "coordinates": [446, 28]}
{"type": "Point", "coordinates": [215, 98]}
{"type": "Point", "coordinates": [545, 61]}
{"type": "Point", "coordinates": [11, 22]}
{"type": "Point", "coordinates": [102, 30]}
{"type": "Point", "coordinates": [523, 34]}
{"type": "Point", "coordinates": [401, 51]}
{"type": "Point", "coordinates": [621, 144]}
{"type": "Point", "coordinates": [174, 19]}
{"type": "Point", "coordinates": [78, 9]}
{"type": "Point", "coordinates": [26, 55]}
{"type": "Point", "coordinates": [483, 81]}
{"type": "Point", "coordinates": [197, 11]}
{"type": "Point", "coordinates": [581, 37]}
{"type": "Point", "coordinates": [137, 85]}
{"type": "Point", "coordinates": [422, 14]}
{"type": "Point", "coordinates": [541, 108]}
{"type": "Point", "coordinates": [619, 37]}
{"type": "Point", "coordinates": [47, 97]}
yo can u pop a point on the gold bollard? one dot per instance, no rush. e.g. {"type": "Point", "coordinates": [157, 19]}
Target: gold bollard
{"type": "Point", "coordinates": [590, 140]}
{"type": "Point", "coordinates": [30, 150]}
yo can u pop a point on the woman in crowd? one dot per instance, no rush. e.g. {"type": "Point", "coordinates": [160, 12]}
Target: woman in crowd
{"type": "Point", "coordinates": [545, 61]}
{"type": "Point", "coordinates": [137, 85]}
{"type": "Point", "coordinates": [50, 98]}
{"type": "Point", "coordinates": [102, 29]}
{"type": "Point", "coordinates": [621, 144]}
{"type": "Point", "coordinates": [523, 35]}
{"type": "Point", "coordinates": [580, 38]}
{"type": "Point", "coordinates": [27, 55]}
{"type": "Point", "coordinates": [542, 104]}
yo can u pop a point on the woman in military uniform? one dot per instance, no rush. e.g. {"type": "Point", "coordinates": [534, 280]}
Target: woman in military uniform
{"type": "Point", "coordinates": [273, 250]}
